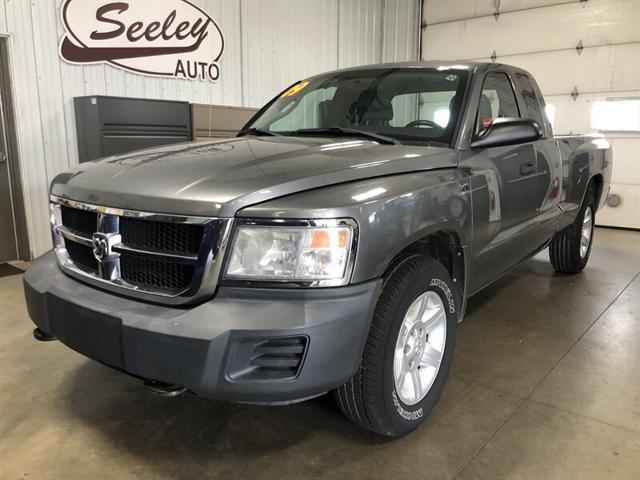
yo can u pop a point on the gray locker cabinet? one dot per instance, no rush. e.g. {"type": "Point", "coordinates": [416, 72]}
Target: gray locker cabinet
{"type": "Point", "coordinates": [111, 125]}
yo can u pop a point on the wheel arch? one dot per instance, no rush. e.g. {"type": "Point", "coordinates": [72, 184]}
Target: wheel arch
{"type": "Point", "coordinates": [598, 181]}
{"type": "Point", "coordinates": [444, 245]}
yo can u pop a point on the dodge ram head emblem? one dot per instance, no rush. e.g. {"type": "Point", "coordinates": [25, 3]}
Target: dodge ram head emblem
{"type": "Point", "coordinates": [101, 247]}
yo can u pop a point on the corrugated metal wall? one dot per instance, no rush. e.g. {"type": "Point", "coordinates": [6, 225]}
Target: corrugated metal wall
{"type": "Point", "coordinates": [269, 44]}
{"type": "Point", "coordinates": [541, 36]}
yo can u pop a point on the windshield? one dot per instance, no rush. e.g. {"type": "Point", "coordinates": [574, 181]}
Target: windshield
{"type": "Point", "coordinates": [411, 105]}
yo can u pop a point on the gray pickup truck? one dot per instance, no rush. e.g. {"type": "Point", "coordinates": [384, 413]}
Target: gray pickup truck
{"type": "Point", "coordinates": [331, 246]}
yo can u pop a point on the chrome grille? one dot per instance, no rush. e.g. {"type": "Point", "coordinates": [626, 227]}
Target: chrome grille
{"type": "Point", "coordinates": [80, 221]}
{"type": "Point", "coordinates": [178, 238]}
{"type": "Point", "coordinates": [164, 258]}
{"type": "Point", "coordinates": [152, 273]}
{"type": "Point", "coordinates": [82, 256]}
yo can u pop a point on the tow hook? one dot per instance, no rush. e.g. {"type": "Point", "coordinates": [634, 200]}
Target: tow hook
{"type": "Point", "coordinates": [42, 336]}
{"type": "Point", "coordinates": [164, 389]}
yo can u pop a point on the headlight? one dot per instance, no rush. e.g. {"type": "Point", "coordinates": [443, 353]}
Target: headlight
{"type": "Point", "coordinates": [320, 253]}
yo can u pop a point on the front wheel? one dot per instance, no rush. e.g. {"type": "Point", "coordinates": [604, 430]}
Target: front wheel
{"type": "Point", "coordinates": [408, 352]}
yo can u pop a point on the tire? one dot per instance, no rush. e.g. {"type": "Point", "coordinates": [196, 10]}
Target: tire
{"type": "Point", "coordinates": [372, 399]}
{"type": "Point", "coordinates": [567, 251]}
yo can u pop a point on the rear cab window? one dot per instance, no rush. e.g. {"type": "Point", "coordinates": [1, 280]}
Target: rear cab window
{"type": "Point", "coordinates": [532, 101]}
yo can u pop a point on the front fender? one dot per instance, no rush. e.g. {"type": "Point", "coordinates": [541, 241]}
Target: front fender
{"type": "Point", "coordinates": [392, 212]}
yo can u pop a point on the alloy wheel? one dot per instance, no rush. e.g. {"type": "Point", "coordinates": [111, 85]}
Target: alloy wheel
{"type": "Point", "coordinates": [420, 347]}
{"type": "Point", "coordinates": [587, 232]}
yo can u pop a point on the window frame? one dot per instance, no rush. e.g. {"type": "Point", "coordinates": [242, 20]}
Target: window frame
{"type": "Point", "coordinates": [459, 106]}
{"type": "Point", "coordinates": [516, 97]}
{"type": "Point", "coordinates": [539, 100]}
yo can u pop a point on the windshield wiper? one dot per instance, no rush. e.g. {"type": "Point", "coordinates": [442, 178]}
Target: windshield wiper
{"type": "Point", "coordinates": [347, 132]}
{"type": "Point", "coordinates": [258, 132]}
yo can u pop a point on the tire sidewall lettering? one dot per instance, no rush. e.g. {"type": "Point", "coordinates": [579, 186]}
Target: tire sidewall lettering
{"type": "Point", "coordinates": [405, 414]}
{"type": "Point", "coordinates": [442, 285]}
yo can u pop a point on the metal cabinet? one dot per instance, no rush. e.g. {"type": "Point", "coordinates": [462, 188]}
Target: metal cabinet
{"type": "Point", "coordinates": [111, 125]}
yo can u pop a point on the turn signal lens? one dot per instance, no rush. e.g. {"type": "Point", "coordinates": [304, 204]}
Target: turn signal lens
{"type": "Point", "coordinates": [320, 239]}
{"type": "Point", "coordinates": [326, 238]}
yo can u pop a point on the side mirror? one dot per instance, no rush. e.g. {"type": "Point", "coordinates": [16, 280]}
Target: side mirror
{"type": "Point", "coordinates": [508, 131]}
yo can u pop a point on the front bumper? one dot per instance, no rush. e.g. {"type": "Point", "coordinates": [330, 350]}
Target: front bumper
{"type": "Point", "coordinates": [313, 339]}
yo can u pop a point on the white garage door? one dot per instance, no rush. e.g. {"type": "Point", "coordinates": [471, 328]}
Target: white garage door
{"type": "Point", "coordinates": [588, 48]}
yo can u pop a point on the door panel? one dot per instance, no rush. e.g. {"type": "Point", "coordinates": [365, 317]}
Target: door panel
{"type": "Point", "coordinates": [8, 245]}
{"type": "Point", "coordinates": [549, 165]}
{"type": "Point", "coordinates": [504, 195]}
{"type": "Point", "coordinates": [549, 189]}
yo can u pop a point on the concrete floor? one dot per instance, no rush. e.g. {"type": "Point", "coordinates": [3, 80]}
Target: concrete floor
{"type": "Point", "coordinates": [545, 385]}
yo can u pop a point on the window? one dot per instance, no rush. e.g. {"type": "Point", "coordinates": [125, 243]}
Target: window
{"type": "Point", "coordinates": [306, 113]}
{"type": "Point", "coordinates": [532, 102]}
{"type": "Point", "coordinates": [425, 107]}
{"type": "Point", "coordinates": [550, 110]}
{"type": "Point", "coordinates": [496, 101]}
{"type": "Point", "coordinates": [411, 105]}
{"type": "Point", "coordinates": [616, 114]}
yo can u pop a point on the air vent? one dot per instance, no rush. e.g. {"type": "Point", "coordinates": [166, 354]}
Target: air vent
{"type": "Point", "coordinates": [271, 359]}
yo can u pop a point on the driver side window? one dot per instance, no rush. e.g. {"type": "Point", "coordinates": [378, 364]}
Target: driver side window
{"type": "Point", "coordinates": [497, 100]}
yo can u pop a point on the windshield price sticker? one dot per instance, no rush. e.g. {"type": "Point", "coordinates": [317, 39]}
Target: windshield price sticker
{"type": "Point", "coordinates": [297, 88]}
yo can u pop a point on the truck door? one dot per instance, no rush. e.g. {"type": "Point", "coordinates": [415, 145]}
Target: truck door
{"type": "Point", "coordinates": [504, 189]}
{"type": "Point", "coordinates": [548, 159]}
{"type": "Point", "coordinates": [8, 234]}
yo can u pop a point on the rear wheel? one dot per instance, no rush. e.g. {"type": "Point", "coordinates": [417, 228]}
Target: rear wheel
{"type": "Point", "coordinates": [570, 249]}
{"type": "Point", "coordinates": [408, 351]}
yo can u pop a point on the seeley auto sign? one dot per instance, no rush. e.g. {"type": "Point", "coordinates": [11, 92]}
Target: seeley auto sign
{"type": "Point", "coordinates": [169, 38]}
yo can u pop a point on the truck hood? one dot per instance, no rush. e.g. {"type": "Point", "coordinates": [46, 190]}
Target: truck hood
{"type": "Point", "coordinates": [219, 178]}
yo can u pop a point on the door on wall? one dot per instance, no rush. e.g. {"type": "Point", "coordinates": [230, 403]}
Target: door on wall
{"type": "Point", "coordinates": [8, 234]}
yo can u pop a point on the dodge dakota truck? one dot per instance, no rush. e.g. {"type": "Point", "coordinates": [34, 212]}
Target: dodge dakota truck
{"type": "Point", "coordinates": [331, 246]}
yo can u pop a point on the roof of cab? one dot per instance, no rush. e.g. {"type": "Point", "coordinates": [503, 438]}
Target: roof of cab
{"type": "Point", "coordinates": [442, 64]}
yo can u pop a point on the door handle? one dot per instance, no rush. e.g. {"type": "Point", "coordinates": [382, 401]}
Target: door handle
{"type": "Point", "coordinates": [3, 157]}
{"type": "Point", "coordinates": [527, 168]}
